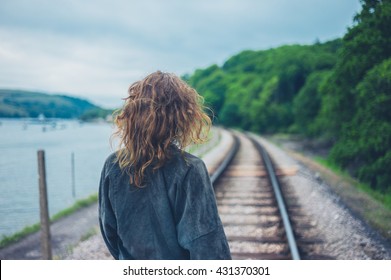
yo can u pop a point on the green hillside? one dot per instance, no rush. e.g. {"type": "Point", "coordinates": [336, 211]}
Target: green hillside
{"type": "Point", "coordinates": [338, 91]}
{"type": "Point", "coordinates": [22, 104]}
{"type": "Point", "coordinates": [255, 90]}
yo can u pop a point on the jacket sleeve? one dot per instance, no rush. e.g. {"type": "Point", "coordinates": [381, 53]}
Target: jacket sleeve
{"type": "Point", "coordinates": [107, 219]}
{"type": "Point", "coordinates": [199, 227]}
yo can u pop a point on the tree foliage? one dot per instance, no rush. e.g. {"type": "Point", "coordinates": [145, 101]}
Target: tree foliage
{"type": "Point", "coordinates": [365, 143]}
{"type": "Point", "coordinates": [255, 89]}
{"type": "Point", "coordinates": [338, 90]}
{"type": "Point", "coordinates": [359, 97]}
{"type": "Point", "coordinates": [365, 45]}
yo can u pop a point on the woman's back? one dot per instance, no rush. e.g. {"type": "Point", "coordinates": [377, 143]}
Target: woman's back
{"type": "Point", "coordinates": [173, 217]}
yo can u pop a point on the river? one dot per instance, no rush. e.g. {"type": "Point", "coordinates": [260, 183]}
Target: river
{"type": "Point", "coordinates": [20, 139]}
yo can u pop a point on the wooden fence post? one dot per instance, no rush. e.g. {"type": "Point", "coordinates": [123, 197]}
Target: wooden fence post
{"type": "Point", "coordinates": [46, 247]}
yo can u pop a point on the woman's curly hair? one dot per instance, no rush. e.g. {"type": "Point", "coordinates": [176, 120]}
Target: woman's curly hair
{"type": "Point", "coordinates": [160, 111]}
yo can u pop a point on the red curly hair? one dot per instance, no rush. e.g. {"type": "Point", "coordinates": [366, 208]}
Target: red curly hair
{"type": "Point", "coordinates": [161, 110]}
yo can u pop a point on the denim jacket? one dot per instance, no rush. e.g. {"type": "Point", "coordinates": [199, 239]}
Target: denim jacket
{"type": "Point", "coordinates": [174, 216]}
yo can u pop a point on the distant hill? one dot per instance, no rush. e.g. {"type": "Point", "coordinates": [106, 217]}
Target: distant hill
{"type": "Point", "coordinates": [27, 104]}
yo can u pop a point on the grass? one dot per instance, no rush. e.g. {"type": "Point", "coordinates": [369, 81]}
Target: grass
{"type": "Point", "coordinates": [78, 205]}
{"type": "Point", "coordinates": [384, 198]}
{"type": "Point", "coordinates": [7, 240]}
{"type": "Point", "coordinates": [70, 248]}
{"type": "Point", "coordinates": [89, 234]}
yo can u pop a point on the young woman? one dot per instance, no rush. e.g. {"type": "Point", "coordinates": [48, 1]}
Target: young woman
{"type": "Point", "coordinates": [155, 200]}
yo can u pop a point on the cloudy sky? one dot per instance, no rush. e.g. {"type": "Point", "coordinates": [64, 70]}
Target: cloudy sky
{"type": "Point", "coordinates": [95, 48]}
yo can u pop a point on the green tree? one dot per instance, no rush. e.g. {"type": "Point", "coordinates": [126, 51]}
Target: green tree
{"type": "Point", "coordinates": [307, 103]}
{"type": "Point", "coordinates": [255, 89]}
{"type": "Point", "coordinates": [211, 84]}
{"type": "Point", "coordinates": [365, 44]}
{"type": "Point", "coordinates": [365, 145]}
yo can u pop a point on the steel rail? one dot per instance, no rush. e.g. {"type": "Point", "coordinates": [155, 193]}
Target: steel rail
{"type": "Point", "coordinates": [226, 161]}
{"type": "Point", "coordinates": [280, 200]}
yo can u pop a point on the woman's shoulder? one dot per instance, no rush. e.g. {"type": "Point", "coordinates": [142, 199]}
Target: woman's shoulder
{"type": "Point", "coordinates": [110, 163]}
{"type": "Point", "coordinates": [181, 163]}
{"type": "Point", "coordinates": [111, 159]}
{"type": "Point", "coordinates": [185, 159]}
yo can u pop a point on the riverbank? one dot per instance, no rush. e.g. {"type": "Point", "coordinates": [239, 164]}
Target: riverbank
{"type": "Point", "coordinates": [65, 232]}
{"type": "Point", "coordinates": [7, 240]}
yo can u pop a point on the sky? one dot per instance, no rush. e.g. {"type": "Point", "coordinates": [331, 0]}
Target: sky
{"type": "Point", "coordinates": [94, 49]}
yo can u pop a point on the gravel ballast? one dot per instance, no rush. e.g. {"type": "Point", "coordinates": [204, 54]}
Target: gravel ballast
{"type": "Point", "coordinates": [345, 235]}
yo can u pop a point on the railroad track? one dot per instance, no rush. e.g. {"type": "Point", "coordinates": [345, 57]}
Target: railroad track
{"type": "Point", "coordinates": [252, 208]}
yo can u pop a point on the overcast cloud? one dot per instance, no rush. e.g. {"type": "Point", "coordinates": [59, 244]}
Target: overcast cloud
{"type": "Point", "coordinates": [95, 48]}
